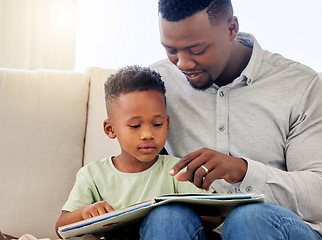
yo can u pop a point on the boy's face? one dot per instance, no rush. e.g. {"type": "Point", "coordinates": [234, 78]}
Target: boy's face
{"type": "Point", "coordinates": [140, 122]}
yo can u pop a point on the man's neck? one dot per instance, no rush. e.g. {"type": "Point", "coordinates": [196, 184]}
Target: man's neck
{"type": "Point", "coordinates": [241, 55]}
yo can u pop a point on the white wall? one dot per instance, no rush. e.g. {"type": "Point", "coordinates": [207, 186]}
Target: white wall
{"type": "Point", "coordinates": [291, 28]}
{"type": "Point", "coordinates": [116, 33]}
{"type": "Point", "coordinates": [38, 34]}
{"type": "Point", "coordinates": [111, 33]}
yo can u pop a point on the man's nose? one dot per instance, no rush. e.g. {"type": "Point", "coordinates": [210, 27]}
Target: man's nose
{"type": "Point", "coordinates": [184, 61]}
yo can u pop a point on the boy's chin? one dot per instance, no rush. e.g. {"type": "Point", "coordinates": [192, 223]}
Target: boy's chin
{"type": "Point", "coordinates": [148, 159]}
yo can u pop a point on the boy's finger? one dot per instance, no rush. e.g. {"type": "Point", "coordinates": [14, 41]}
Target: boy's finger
{"type": "Point", "coordinates": [108, 207]}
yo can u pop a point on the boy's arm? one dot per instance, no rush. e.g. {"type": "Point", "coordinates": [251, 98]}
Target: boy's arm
{"type": "Point", "coordinates": [83, 213]}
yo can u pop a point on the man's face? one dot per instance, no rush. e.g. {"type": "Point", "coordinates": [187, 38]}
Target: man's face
{"type": "Point", "coordinates": [200, 50]}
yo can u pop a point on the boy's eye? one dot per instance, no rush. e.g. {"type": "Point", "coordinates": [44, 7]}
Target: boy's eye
{"type": "Point", "coordinates": [135, 126]}
{"type": "Point", "coordinates": [158, 124]}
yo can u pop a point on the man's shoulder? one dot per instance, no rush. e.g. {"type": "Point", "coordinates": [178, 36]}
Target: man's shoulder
{"type": "Point", "coordinates": [266, 63]}
{"type": "Point", "coordinates": [288, 67]}
{"type": "Point", "coordinates": [164, 66]}
{"type": "Point", "coordinates": [170, 74]}
{"type": "Point", "coordinates": [161, 63]}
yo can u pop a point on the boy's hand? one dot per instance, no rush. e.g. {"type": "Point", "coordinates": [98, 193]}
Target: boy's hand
{"type": "Point", "coordinates": [83, 213]}
{"type": "Point", "coordinates": [96, 209]}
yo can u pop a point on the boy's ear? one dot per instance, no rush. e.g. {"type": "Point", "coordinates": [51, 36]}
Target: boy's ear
{"type": "Point", "coordinates": [168, 122]}
{"type": "Point", "coordinates": [108, 129]}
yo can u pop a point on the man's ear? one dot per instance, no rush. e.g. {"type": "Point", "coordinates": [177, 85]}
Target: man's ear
{"type": "Point", "coordinates": [233, 27]}
{"type": "Point", "coordinates": [108, 129]}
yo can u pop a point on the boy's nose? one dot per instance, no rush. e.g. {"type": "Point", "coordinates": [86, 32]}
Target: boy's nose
{"type": "Point", "coordinates": [147, 134]}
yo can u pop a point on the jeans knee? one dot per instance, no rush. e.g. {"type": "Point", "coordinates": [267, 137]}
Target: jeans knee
{"type": "Point", "coordinates": [258, 221]}
{"type": "Point", "coordinates": [173, 213]}
{"type": "Point", "coordinates": [244, 213]}
{"type": "Point", "coordinates": [172, 220]}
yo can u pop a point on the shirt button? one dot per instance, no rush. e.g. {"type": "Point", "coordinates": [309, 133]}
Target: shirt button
{"type": "Point", "coordinates": [248, 189]}
{"type": "Point", "coordinates": [221, 94]}
{"type": "Point", "coordinates": [221, 129]}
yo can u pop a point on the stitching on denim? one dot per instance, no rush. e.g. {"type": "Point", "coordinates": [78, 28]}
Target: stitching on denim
{"type": "Point", "coordinates": [288, 221]}
{"type": "Point", "coordinates": [197, 231]}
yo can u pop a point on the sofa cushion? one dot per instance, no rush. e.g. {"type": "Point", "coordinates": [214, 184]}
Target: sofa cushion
{"type": "Point", "coordinates": [97, 144]}
{"type": "Point", "coordinates": [42, 126]}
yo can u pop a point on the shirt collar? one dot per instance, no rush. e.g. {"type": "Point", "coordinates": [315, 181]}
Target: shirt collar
{"type": "Point", "coordinates": [252, 68]}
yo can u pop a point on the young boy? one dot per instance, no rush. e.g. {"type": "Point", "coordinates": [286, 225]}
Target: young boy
{"type": "Point", "coordinates": [137, 117]}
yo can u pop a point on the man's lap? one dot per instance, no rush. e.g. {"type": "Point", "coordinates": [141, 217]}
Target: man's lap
{"type": "Point", "coordinates": [253, 220]}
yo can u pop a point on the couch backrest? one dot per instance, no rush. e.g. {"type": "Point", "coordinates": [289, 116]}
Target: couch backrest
{"type": "Point", "coordinates": [43, 117]}
{"type": "Point", "coordinates": [42, 132]}
{"type": "Point", "coordinates": [97, 144]}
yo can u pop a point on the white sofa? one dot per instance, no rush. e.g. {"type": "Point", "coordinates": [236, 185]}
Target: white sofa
{"type": "Point", "coordinates": [51, 124]}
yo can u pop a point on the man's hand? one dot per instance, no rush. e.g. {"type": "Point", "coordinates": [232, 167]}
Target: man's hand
{"type": "Point", "coordinates": [219, 166]}
{"type": "Point", "coordinates": [96, 209]}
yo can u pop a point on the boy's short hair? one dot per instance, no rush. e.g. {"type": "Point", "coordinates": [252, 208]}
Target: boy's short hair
{"type": "Point", "coordinates": [130, 79]}
{"type": "Point", "coordinates": [177, 10]}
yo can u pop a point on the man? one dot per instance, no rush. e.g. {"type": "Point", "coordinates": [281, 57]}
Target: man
{"type": "Point", "coordinates": [243, 120]}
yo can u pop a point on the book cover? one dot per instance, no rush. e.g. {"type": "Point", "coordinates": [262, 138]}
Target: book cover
{"type": "Point", "coordinates": [206, 204]}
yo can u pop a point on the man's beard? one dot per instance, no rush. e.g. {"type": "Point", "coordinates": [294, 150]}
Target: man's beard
{"type": "Point", "coordinates": [208, 84]}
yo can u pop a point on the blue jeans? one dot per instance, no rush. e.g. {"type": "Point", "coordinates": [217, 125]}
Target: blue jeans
{"type": "Point", "coordinates": [172, 221]}
{"type": "Point", "coordinates": [254, 221]}
{"type": "Point", "coordinates": [265, 221]}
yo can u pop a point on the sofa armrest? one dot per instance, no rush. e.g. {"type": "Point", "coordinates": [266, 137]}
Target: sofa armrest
{"type": "Point", "coordinates": [4, 236]}
{"type": "Point", "coordinates": [42, 125]}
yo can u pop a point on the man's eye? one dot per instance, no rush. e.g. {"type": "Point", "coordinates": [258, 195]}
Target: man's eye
{"type": "Point", "coordinates": [198, 52]}
{"type": "Point", "coordinates": [135, 126]}
{"type": "Point", "coordinates": [171, 51]}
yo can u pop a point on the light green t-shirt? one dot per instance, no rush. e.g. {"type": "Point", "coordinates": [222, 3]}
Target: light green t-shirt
{"type": "Point", "coordinates": [100, 180]}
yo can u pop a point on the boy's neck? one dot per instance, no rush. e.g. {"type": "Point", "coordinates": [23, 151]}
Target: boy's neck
{"type": "Point", "coordinates": [131, 166]}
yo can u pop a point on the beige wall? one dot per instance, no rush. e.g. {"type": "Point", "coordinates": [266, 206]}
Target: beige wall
{"type": "Point", "coordinates": [38, 34]}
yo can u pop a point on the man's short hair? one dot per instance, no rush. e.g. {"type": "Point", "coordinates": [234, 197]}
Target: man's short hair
{"type": "Point", "coordinates": [130, 79]}
{"type": "Point", "coordinates": [177, 10]}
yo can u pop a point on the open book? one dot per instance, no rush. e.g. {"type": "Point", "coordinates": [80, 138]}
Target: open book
{"type": "Point", "coordinates": [206, 204]}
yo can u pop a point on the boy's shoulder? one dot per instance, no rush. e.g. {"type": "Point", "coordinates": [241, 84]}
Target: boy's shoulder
{"type": "Point", "coordinates": [95, 164]}
{"type": "Point", "coordinates": [168, 159]}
